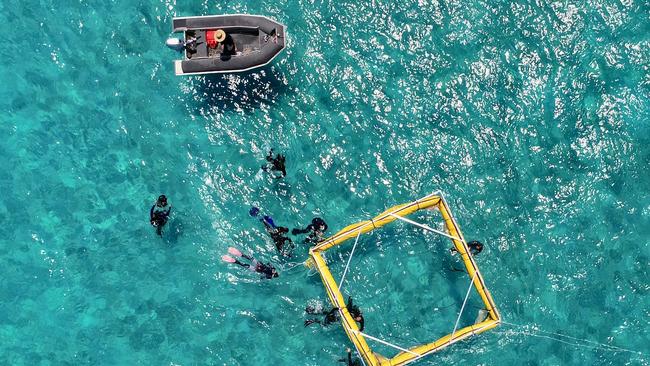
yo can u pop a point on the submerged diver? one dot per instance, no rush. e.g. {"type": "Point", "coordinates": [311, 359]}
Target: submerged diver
{"type": "Point", "coordinates": [475, 247]}
{"type": "Point", "coordinates": [316, 230]}
{"type": "Point", "coordinates": [333, 316]}
{"type": "Point", "coordinates": [276, 164]}
{"type": "Point", "coordinates": [283, 243]}
{"type": "Point", "coordinates": [349, 360]}
{"type": "Point", "coordinates": [267, 269]}
{"type": "Point", "coordinates": [159, 213]}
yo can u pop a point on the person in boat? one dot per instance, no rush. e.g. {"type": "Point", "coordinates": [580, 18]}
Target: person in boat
{"type": "Point", "coordinates": [159, 213]}
{"type": "Point", "coordinates": [349, 360]}
{"type": "Point", "coordinates": [276, 164]}
{"type": "Point", "coordinates": [475, 247]}
{"type": "Point", "coordinates": [190, 44]}
{"type": "Point", "coordinates": [225, 42]}
{"type": "Point", "coordinates": [316, 230]}
{"type": "Point", "coordinates": [283, 244]}
{"type": "Point", "coordinates": [266, 269]}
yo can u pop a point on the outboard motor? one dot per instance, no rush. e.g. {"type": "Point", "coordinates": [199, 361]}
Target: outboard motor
{"type": "Point", "coordinates": [175, 44]}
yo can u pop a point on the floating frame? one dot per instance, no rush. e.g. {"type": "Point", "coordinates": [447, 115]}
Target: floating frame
{"type": "Point", "coordinates": [399, 212]}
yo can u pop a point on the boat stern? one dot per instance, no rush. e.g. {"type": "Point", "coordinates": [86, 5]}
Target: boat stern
{"type": "Point", "coordinates": [178, 67]}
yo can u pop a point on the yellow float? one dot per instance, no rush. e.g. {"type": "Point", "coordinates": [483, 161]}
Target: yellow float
{"type": "Point", "coordinates": [405, 356]}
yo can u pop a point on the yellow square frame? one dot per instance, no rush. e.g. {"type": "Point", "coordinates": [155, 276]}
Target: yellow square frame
{"type": "Point", "coordinates": [370, 358]}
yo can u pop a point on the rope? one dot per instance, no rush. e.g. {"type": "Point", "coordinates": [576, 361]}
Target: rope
{"type": "Point", "coordinates": [291, 265]}
{"type": "Point", "coordinates": [349, 259]}
{"type": "Point", "coordinates": [386, 343]}
{"type": "Point", "coordinates": [463, 307]}
{"type": "Point", "coordinates": [425, 227]}
{"type": "Point", "coordinates": [527, 331]}
{"type": "Point", "coordinates": [312, 272]}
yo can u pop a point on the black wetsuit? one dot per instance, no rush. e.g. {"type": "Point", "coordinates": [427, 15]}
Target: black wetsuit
{"type": "Point", "coordinates": [331, 316]}
{"type": "Point", "coordinates": [277, 234]}
{"type": "Point", "coordinates": [350, 361]}
{"type": "Point", "coordinates": [475, 247]}
{"type": "Point", "coordinates": [361, 321]}
{"type": "Point", "coordinates": [229, 46]}
{"type": "Point", "coordinates": [356, 313]}
{"type": "Point", "coordinates": [281, 240]}
{"type": "Point", "coordinates": [316, 229]}
{"type": "Point", "coordinates": [158, 216]}
{"type": "Point", "coordinates": [277, 164]}
{"type": "Point", "coordinates": [266, 269]}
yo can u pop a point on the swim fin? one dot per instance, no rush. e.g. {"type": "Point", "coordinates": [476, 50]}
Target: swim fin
{"type": "Point", "coordinates": [234, 251]}
{"type": "Point", "coordinates": [229, 259]}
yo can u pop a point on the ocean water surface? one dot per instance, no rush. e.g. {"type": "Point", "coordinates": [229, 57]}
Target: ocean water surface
{"type": "Point", "coordinates": [533, 118]}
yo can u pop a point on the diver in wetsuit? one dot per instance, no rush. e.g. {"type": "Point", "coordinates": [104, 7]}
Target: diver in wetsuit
{"type": "Point", "coordinates": [280, 240]}
{"type": "Point", "coordinates": [276, 164]}
{"type": "Point", "coordinates": [356, 314]}
{"type": "Point", "coordinates": [266, 269]}
{"type": "Point", "coordinates": [316, 230]}
{"type": "Point", "coordinates": [332, 316]}
{"type": "Point", "coordinates": [349, 360]}
{"type": "Point", "coordinates": [475, 247]}
{"type": "Point", "coordinates": [159, 213]}
{"type": "Point", "coordinates": [283, 243]}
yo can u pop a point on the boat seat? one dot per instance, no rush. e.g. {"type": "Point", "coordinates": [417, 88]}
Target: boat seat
{"type": "Point", "coordinates": [242, 30]}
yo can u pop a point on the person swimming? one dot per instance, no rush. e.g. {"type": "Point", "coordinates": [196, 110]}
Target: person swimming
{"type": "Point", "coordinates": [332, 316]}
{"type": "Point", "coordinates": [349, 360]}
{"type": "Point", "coordinates": [356, 314]}
{"type": "Point", "coordinates": [159, 213]}
{"type": "Point", "coordinates": [283, 243]}
{"type": "Point", "coordinates": [475, 247]}
{"type": "Point", "coordinates": [316, 230]}
{"type": "Point", "coordinates": [276, 164]}
{"type": "Point", "coordinates": [266, 269]}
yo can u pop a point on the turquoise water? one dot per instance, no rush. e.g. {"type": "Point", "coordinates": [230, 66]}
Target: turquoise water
{"type": "Point", "coordinates": [532, 117]}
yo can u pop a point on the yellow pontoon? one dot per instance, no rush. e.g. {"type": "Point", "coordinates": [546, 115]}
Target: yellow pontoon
{"type": "Point", "coordinates": [405, 356]}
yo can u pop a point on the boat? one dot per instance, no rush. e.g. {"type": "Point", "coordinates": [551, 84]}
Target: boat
{"type": "Point", "coordinates": [225, 43]}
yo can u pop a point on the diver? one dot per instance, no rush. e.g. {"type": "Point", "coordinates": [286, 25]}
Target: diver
{"type": "Point", "coordinates": [355, 312]}
{"type": "Point", "coordinates": [475, 247]}
{"type": "Point", "coordinates": [316, 230]}
{"type": "Point", "coordinates": [280, 240]}
{"type": "Point", "coordinates": [266, 269]}
{"type": "Point", "coordinates": [331, 316]}
{"type": "Point", "coordinates": [159, 213]}
{"type": "Point", "coordinates": [276, 164]}
{"type": "Point", "coordinates": [349, 360]}
{"type": "Point", "coordinates": [283, 244]}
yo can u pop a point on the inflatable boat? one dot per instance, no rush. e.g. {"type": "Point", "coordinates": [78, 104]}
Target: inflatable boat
{"type": "Point", "coordinates": [225, 43]}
